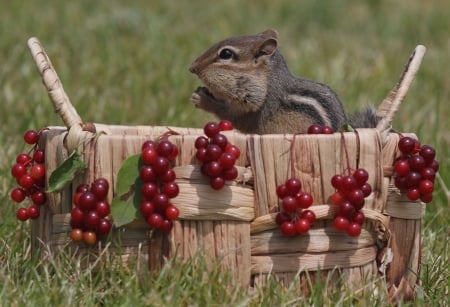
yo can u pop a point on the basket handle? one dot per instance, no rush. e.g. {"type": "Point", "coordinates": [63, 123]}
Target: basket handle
{"type": "Point", "coordinates": [58, 96]}
{"type": "Point", "coordinates": [391, 103]}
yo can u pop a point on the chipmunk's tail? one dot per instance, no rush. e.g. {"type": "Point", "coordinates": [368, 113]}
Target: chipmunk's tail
{"type": "Point", "coordinates": [365, 118]}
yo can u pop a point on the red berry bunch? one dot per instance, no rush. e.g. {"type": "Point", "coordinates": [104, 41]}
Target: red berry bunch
{"type": "Point", "coordinates": [217, 155]}
{"type": "Point", "coordinates": [158, 184]}
{"type": "Point", "coordinates": [349, 197]}
{"type": "Point", "coordinates": [29, 172]}
{"type": "Point", "coordinates": [318, 129]}
{"type": "Point", "coordinates": [416, 169]}
{"type": "Point", "coordinates": [295, 219]}
{"type": "Point", "coordinates": [89, 217]}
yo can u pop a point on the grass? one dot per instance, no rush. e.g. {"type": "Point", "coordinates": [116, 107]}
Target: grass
{"type": "Point", "coordinates": [113, 56]}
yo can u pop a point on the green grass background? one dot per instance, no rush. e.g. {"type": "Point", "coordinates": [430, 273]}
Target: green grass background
{"type": "Point", "coordinates": [126, 63]}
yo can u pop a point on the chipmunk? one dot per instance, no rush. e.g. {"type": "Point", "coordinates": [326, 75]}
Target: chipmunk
{"type": "Point", "coordinates": [248, 82]}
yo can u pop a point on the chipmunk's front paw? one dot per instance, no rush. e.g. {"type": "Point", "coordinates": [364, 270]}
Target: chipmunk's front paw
{"type": "Point", "coordinates": [202, 99]}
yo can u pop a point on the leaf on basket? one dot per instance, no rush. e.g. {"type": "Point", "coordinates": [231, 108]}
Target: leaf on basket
{"type": "Point", "coordinates": [125, 205]}
{"type": "Point", "coordinates": [65, 173]}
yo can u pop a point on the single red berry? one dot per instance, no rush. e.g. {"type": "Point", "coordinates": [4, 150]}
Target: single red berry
{"type": "Point", "coordinates": [426, 198]}
{"type": "Point", "coordinates": [428, 173]}
{"type": "Point", "coordinates": [76, 235]}
{"type": "Point", "coordinates": [220, 140]}
{"type": "Point", "coordinates": [172, 212]}
{"type": "Point", "coordinates": [91, 220]}
{"type": "Point", "coordinates": [400, 183]}
{"type": "Point", "coordinates": [366, 189]}
{"type": "Point", "coordinates": [406, 145]}
{"type": "Point", "coordinates": [348, 184]}
{"type": "Point", "coordinates": [76, 215]}
{"type": "Point", "coordinates": [161, 201]}
{"type": "Point", "coordinates": [434, 165]}
{"type": "Point", "coordinates": [227, 160]}
{"type": "Point", "coordinates": [401, 167]}
{"type": "Point", "coordinates": [87, 201]}
{"type": "Point", "coordinates": [166, 226]}
{"type": "Point", "coordinates": [33, 212]}
{"type": "Point", "coordinates": [214, 169]}
{"type": "Point", "coordinates": [336, 181]}
{"type": "Point", "coordinates": [149, 190]}
{"type": "Point", "coordinates": [201, 142]}
{"type": "Point", "coordinates": [26, 181]}
{"type": "Point", "coordinates": [161, 165]}
{"type": "Point", "coordinates": [38, 197]}
{"type": "Point", "coordinates": [213, 152]}
{"type": "Point", "coordinates": [225, 125]}
{"type": "Point", "coordinates": [18, 195]}
{"type": "Point", "coordinates": [149, 144]}
{"type": "Point", "coordinates": [103, 227]}
{"type": "Point", "coordinates": [302, 226]}
{"type": "Point", "coordinates": [293, 186]}
{"type": "Point", "coordinates": [413, 194]}
{"type": "Point", "coordinates": [413, 179]}
{"type": "Point", "coordinates": [356, 197]}
{"type": "Point", "coordinates": [149, 155]}
{"type": "Point", "coordinates": [211, 129]}
{"type": "Point", "coordinates": [39, 156]}
{"type": "Point", "coordinates": [31, 137]}
{"type": "Point", "coordinates": [230, 173]}
{"type": "Point", "coordinates": [18, 170]}
{"type": "Point", "coordinates": [100, 190]}
{"type": "Point", "coordinates": [426, 186]}
{"type": "Point", "coordinates": [346, 209]}
{"type": "Point", "coordinates": [282, 217]}
{"type": "Point", "coordinates": [354, 229]}
{"type": "Point", "coordinates": [428, 153]}
{"type": "Point", "coordinates": [147, 173]}
{"type": "Point", "coordinates": [338, 198]}
{"type": "Point", "coordinates": [174, 153]}
{"type": "Point", "coordinates": [304, 200]}
{"type": "Point", "coordinates": [417, 163]}
{"type": "Point", "coordinates": [217, 183]}
{"type": "Point", "coordinates": [282, 191]}
{"type": "Point", "coordinates": [315, 129]}
{"type": "Point", "coordinates": [146, 208]}
{"type": "Point", "coordinates": [288, 229]}
{"type": "Point", "coordinates": [23, 158]}
{"type": "Point", "coordinates": [171, 189]}
{"type": "Point", "coordinates": [165, 148]}
{"type": "Point", "coordinates": [361, 176]}
{"type": "Point", "coordinates": [201, 154]}
{"type": "Point", "coordinates": [359, 218]}
{"type": "Point", "coordinates": [327, 130]}
{"type": "Point", "coordinates": [167, 176]}
{"type": "Point", "coordinates": [309, 215]}
{"type": "Point", "coordinates": [102, 181]}
{"type": "Point", "coordinates": [289, 204]}
{"type": "Point", "coordinates": [83, 188]}
{"type": "Point", "coordinates": [341, 223]}
{"type": "Point", "coordinates": [22, 214]}
{"type": "Point", "coordinates": [155, 220]}
{"type": "Point", "coordinates": [234, 150]}
{"type": "Point", "coordinates": [102, 208]}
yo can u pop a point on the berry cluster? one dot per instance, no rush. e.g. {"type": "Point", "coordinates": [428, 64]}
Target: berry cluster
{"type": "Point", "coordinates": [158, 184]}
{"type": "Point", "coordinates": [29, 172]}
{"type": "Point", "coordinates": [318, 129]}
{"type": "Point", "coordinates": [217, 155]}
{"type": "Point", "coordinates": [349, 197]}
{"type": "Point", "coordinates": [295, 219]}
{"type": "Point", "coordinates": [89, 217]}
{"type": "Point", "coordinates": [416, 169]}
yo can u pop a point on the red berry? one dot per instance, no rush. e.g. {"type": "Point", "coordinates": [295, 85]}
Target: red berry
{"type": "Point", "coordinates": [348, 183]}
{"type": "Point", "coordinates": [102, 208]}
{"type": "Point", "coordinates": [167, 176]}
{"type": "Point", "coordinates": [155, 220]}
{"type": "Point", "coordinates": [359, 218]}
{"type": "Point", "coordinates": [23, 158]}
{"type": "Point", "coordinates": [18, 170]}
{"type": "Point", "coordinates": [91, 220]}
{"type": "Point", "coordinates": [146, 207]}
{"type": "Point", "coordinates": [76, 235]}
{"type": "Point", "coordinates": [201, 154]}
{"type": "Point", "coordinates": [282, 217]}
{"type": "Point", "coordinates": [225, 125]}
{"type": "Point", "coordinates": [165, 148]}
{"type": "Point", "coordinates": [302, 226]}
{"type": "Point", "coordinates": [22, 214]}
{"type": "Point", "coordinates": [220, 140]}
{"type": "Point", "coordinates": [201, 142]}
{"type": "Point", "coordinates": [18, 195]}
{"type": "Point", "coordinates": [400, 183]}
{"type": "Point", "coordinates": [38, 197]}
{"type": "Point", "coordinates": [413, 179]}
{"type": "Point", "coordinates": [89, 237]}
{"type": "Point", "coordinates": [87, 201]}
{"type": "Point", "coordinates": [171, 189]}
{"type": "Point", "coordinates": [413, 193]}
{"type": "Point", "coordinates": [315, 129]}
{"type": "Point", "coordinates": [341, 223]}
{"type": "Point", "coordinates": [102, 181]}
{"type": "Point", "coordinates": [31, 137]}
{"type": "Point", "coordinates": [336, 181]}
{"type": "Point", "coordinates": [26, 181]}
{"type": "Point", "coordinates": [161, 201]}
{"type": "Point", "coordinates": [147, 173]}
{"type": "Point", "coordinates": [39, 156]}
{"type": "Point", "coordinates": [354, 229]}
{"type": "Point", "coordinates": [309, 215]}
{"type": "Point", "coordinates": [233, 149]}
{"type": "Point", "coordinates": [213, 169]}
{"type": "Point", "coordinates": [213, 152]}
{"type": "Point", "coordinates": [174, 153]}
{"type": "Point", "coordinates": [161, 165]}
{"type": "Point", "coordinates": [288, 229]}
{"type": "Point", "coordinates": [361, 176]}
{"type": "Point", "coordinates": [356, 197]}
{"type": "Point", "coordinates": [149, 144]}
{"type": "Point", "coordinates": [426, 186]}
{"type": "Point", "coordinates": [417, 163]}
{"type": "Point", "coordinates": [166, 226]}
{"type": "Point", "coordinates": [428, 173]}
{"type": "Point", "coordinates": [289, 204]}
{"type": "Point", "coordinates": [406, 145]}
{"type": "Point", "coordinates": [366, 189]}
{"type": "Point", "coordinates": [346, 209]}
{"type": "Point", "coordinates": [327, 130]}
{"type": "Point", "coordinates": [304, 200]}
{"type": "Point", "coordinates": [230, 174]}
{"type": "Point", "coordinates": [338, 198]}
{"type": "Point", "coordinates": [426, 198]}
{"type": "Point", "coordinates": [217, 183]}
{"type": "Point", "coordinates": [33, 212]}
{"type": "Point", "coordinates": [282, 191]}
{"type": "Point", "coordinates": [76, 215]}
{"type": "Point", "coordinates": [149, 190]}
{"type": "Point", "coordinates": [100, 190]}
{"type": "Point", "coordinates": [83, 188]}
{"type": "Point", "coordinates": [149, 155]}
{"type": "Point", "coordinates": [172, 212]}
{"type": "Point", "coordinates": [428, 153]}
{"type": "Point", "coordinates": [401, 167]}
{"type": "Point", "coordinates": [293, 186]}
{"type": "Point", "coordinates": [227, 160]}
{"type": "Point", "coordinates": [211, 129]}
{"type": "Point", "coordinates": [104, 227]}
{"type": "Point", "coordinates": [434, 165]}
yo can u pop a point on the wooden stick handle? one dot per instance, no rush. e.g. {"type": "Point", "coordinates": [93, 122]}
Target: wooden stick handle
{"type": "Point", "coordinates": [54, 87]}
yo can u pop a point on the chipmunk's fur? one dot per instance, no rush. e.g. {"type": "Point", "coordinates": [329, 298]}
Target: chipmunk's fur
{"type": "Point", "coordinates": [248, 82]}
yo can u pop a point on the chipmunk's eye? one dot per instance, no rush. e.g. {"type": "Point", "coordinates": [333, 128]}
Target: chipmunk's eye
{"type": "Point", "coordinates": [226, 54]}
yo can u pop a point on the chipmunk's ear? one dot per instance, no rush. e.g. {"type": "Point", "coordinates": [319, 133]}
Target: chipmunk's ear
{"type": "Point", "coordinates": [267, 43]}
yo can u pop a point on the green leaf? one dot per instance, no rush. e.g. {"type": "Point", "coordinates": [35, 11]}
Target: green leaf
{"type": "Point", "coordinates": [346, 128]}
{"type": "Point", "coordinates": [65, 173]}
{"type": "Point", "coordinates": [125, 205]}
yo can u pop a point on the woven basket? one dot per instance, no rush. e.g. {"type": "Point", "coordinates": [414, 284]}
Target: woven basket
{"type": "Point", "coordinates": [236, 225]}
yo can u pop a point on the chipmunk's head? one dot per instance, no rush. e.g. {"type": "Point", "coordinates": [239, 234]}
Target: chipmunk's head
{"type": "Point", "coordinates": [236, 69]}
